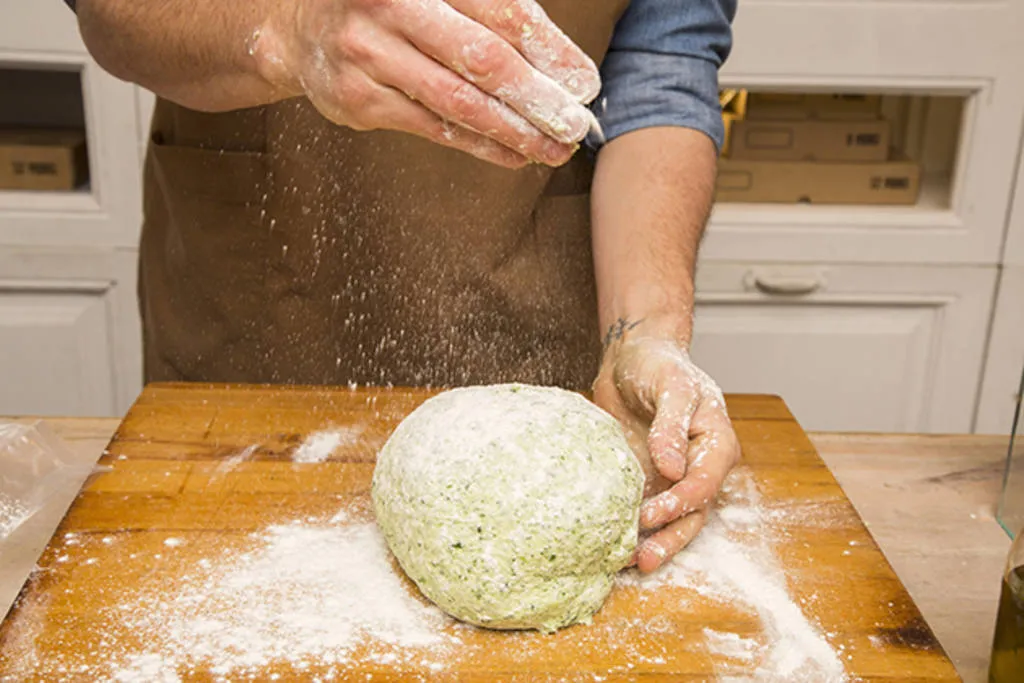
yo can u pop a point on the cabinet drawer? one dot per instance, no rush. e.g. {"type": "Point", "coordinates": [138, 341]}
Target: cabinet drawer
{"type": "Point", "coordinates": [850, 348]}
{"type": "Point", "coordinates": [69, 332]}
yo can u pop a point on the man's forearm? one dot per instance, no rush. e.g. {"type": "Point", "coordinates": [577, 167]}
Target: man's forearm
{"type": "Point", "coordinates": [194, 53]}
{"type": "Point", "coordinates": [651, 198]}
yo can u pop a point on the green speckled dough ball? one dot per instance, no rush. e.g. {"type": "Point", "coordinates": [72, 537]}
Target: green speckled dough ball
{"type": "Point", "coordinates": [510, 506]}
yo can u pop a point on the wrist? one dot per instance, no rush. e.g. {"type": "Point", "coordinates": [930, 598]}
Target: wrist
{"type": "Point", "coordinates": [674, 325]}
{"type": "Point", "coordinates": [272, 49]}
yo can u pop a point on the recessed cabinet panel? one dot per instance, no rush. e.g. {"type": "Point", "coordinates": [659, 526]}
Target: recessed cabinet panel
{"type": "Point", "coordinates": [69, 332]}
{"type": "Point", "coordinates": [839, 367]}
{"type": "Point", "coordinates": [56, 356]}
{"type": "Point", "coordinates": [860, 348]}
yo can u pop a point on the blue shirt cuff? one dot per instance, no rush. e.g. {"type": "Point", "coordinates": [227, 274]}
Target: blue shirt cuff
{"type": "Point", "coordinates": [645, 89]}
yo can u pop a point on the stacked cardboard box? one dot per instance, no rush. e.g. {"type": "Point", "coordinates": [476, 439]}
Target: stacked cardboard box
{"type": "Point", "coordinates": [821, 149]}
{"type": "Point", "coordinates": [33, 159]}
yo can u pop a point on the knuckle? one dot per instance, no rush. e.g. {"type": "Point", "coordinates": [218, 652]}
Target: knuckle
{"type": "Point", "coordinates": [462, 102]}
{"type": "Point", "coordinates": [485, 58]}
{"type": "Point", "coordinates": [352, 44]}
{"type": "Point", "coordinates": [441, 132]}
{"type": "Point", "coordinates": [359, 100]}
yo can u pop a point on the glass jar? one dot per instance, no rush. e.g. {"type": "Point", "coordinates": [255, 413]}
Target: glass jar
{"type": "Point", "coordinates": [1008, 647]}
{"type": "Point", "coordinates": [1011, 504]}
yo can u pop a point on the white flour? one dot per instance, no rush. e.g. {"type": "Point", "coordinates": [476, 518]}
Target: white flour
{"type": "Point", "coordinates": [306, 596]}
{"type": "Point", "coordinates": [323, 595]}
{"type": "Point", "coordinates": [732, 562]}
{"type": "Point", "coordinates": [319, 446]}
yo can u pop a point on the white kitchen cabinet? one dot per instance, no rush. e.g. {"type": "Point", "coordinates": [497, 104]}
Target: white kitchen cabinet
{"type": "Point", "coordinates": [69, 326]}
{"type": "Point", "coordinates": [69, 332]}
{"type": "Point", "coordinates": [971, 50]}
{"type": "Point", "coordinates": [851, 348]}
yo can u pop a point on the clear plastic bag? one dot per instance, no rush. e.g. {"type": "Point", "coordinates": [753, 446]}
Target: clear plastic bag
{"type": "Point", "coordinates": [35, 465]}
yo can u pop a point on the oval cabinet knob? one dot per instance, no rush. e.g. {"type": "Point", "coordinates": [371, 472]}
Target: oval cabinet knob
{"type": "Point", "coordinates": [785, 284]}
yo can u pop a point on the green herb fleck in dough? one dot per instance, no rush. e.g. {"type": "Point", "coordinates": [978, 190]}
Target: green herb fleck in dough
{"type": "Point", "coordinates": [550, 476]}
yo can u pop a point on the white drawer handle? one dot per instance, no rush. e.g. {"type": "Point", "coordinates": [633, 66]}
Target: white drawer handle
{"type": "Point", "coordinates": [787, 285]}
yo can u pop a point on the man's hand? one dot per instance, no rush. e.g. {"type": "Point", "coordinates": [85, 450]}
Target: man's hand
{"type": "Point", "coordinates": [676, 421]}
{"type": "Point", "coordinates": [495, 78]}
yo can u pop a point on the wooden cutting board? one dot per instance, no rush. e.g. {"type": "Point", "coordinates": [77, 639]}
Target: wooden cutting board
{"type": "Point", "coordinates": [196, 470]}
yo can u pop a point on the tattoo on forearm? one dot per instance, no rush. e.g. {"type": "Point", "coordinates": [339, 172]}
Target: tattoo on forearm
{"type": "Point", "coordinates": [618, 329]}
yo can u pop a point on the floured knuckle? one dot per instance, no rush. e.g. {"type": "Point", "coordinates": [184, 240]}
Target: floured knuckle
{"type": "Point", "coordinates": [462, 102]}
{"type": "Point", "coordinates": [353, 45]}
{"type": "Point", "coordinates": [486, 58]}
{"type": "Point", "coordinates": [440, 131]}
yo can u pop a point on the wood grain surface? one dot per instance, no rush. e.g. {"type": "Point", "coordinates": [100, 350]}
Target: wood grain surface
{"type": "Point", "coordinates": [167, 479]}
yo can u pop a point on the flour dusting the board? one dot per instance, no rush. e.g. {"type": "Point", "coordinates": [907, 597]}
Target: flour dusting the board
{"type": "Point", "coordinates": [324, 595]}
{"type": "Point", "coordinates": [205, 551]}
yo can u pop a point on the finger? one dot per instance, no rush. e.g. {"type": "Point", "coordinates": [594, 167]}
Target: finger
{"type": "Point", "coordinates": [669, 436]}
{"type": "Point", "coordinates": [525, 26]}
{"type": "Point", "coordinates": [455, 99]}
{"type": "Point", "coordinates": [492, 64]}
{"type": "Point", "coordinates": [377, 106]}
{"type": "Point", "coordinates": [662, 546]}
{"type": "Point", "coordinates": [711, 456]}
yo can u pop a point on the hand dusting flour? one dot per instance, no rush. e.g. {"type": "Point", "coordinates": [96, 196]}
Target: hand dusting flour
{"type": "Point", "coordinates": [321, 596]}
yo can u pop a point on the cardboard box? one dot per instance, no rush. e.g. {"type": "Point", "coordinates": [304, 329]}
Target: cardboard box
{"type": "Point", "coordinates": [815, 182]}
{"type": "Point", "coordinates": [796, 107]}
{"type": "Point", "coordinates": [42, 159]}
{"type": "Point", "coordinates": [811, 140]}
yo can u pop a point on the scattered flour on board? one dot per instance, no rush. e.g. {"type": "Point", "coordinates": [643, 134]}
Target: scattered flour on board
{"type": "Point", "coordinates": [319, 446]}
{"type": "Point", "coordinates": [732, 561]}
{"type": "Point", "coordinates": [322, 596]}
{"type": "Point", "coordinates": [305, 596]}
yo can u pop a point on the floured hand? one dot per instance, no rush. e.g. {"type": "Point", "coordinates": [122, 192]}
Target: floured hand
{"type": "Point", "coordinates": [495, 78]}
{"type": "Point", "coordinates": [675, 418]}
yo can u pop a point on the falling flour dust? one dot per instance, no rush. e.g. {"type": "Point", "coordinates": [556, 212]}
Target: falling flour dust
{"type": "Point", "coordinates": [322, 596]}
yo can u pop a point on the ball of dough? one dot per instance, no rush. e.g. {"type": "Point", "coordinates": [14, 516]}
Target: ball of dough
{"type": "Point", "coordinates": [510, 506]}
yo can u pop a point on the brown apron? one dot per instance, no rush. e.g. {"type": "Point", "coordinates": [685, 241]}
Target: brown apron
{"type": "Point", "coordinates": [280, 248]}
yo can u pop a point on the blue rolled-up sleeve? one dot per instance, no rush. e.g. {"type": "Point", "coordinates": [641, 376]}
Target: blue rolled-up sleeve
{"type": "Point", "coordinates": [662, 67]}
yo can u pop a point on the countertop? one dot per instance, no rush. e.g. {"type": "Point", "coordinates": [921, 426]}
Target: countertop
{"type": "Point", "coordinates": [928, 500]}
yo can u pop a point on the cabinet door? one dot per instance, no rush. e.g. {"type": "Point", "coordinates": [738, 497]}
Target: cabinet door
{"type": "Point", "coordinates": [960, 48]}
{"type": "Point", "coordinates": [850, 348]}
{"type": "Point", "coordinates": [69, 333]}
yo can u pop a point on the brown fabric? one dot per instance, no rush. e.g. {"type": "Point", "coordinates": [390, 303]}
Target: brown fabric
{"type": "Point", "coordinates": [280, 248]}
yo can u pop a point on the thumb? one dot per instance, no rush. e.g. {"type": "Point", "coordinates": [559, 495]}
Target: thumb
{"type": "Point", "coordinates": [669, 435]}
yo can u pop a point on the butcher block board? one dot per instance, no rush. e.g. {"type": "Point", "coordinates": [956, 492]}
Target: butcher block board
{"type": "Point", "coordinates": [195, 473]}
